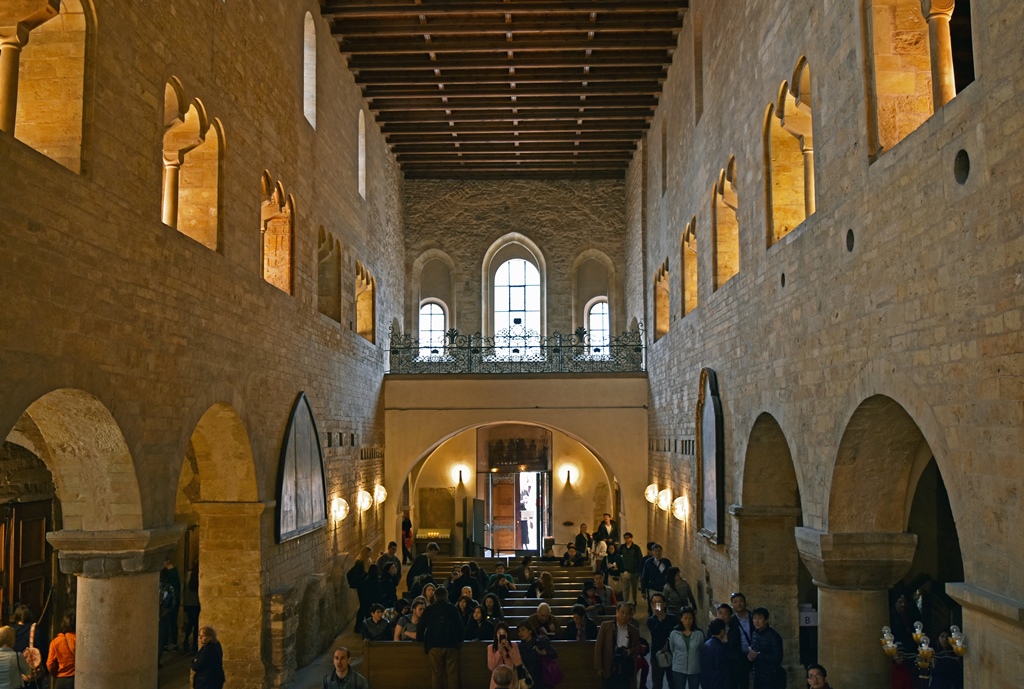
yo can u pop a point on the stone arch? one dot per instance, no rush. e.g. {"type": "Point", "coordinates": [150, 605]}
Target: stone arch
{"type": "Point", "coordinates": [662, 302]}
{"type": "Point", "coordinates": [366, 303]}
{"type": "Point", "coordinates": [725, 228]}
{"type": "Point", "coordinates": [83, 447]}
{"type": "Point", "coordinates": [417, 293]}
{"type": "Point", "coordinates": [581, 296]}
{"type": "Point", "coordinates": [328, 275]}
{"type": "Point", "coordinates": [508, 246]}
{"type": "Point", "coordinates": [218, 500]}
{"type": "Point", "coordinates": [769, 566]}
{"type": "Point", "coordinates": [54, 79]}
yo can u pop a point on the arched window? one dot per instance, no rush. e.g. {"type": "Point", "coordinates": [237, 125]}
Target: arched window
{"type": "Point", "coordinates": [725, 228]}
{"type": "Point", "coordinates": [277, 214]}
{"type": "Point", "coordinates": [309, 70]}
{"type": "Point", "coordinates": [366, 304]}
{"type": "Point", "coordinates": [598, 327]}
{"type": "Point", "coordinates": [517, 296]}
{"type": "Point", "coordinates": [362, 154]}
{"type": "Point", "coordinates": [688, 259]}
{"type": "Point", "coordinates": [433, 324]}
{"type": "Point", "coordinates": [662, 306]}
{"type": "Point", "coordinates": [432, 279]}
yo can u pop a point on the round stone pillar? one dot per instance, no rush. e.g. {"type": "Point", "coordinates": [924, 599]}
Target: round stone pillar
{"type": "Point", "coordinates": [117, 605]}
{"type": "Point", "coordinates": [854, 572]}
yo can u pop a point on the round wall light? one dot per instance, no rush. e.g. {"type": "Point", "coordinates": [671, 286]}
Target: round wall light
{"type": "Point", "coordinates": [380, 494]}
{"type": "Point", "coordinates": [665, 499]}
{"type": "Point", "coordinates": [364, 501]}
{"type": "Point", "coordinates": [339, 509]}
{"type": "Point", "coordinates": [651, 493]}
{"type": "Point", "coordinates": [681, 508]}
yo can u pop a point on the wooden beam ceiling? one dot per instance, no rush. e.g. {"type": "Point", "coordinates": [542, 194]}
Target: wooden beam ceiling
{"type": "Point", "coordinates": [513, 88]}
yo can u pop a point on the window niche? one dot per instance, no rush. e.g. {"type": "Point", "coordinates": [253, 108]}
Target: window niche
{"type": "Point", "coordinates": [433, 281]}
{"type": "Point", "coordinates": [662, 302]}
{"type": "Point", "coordinates": [328, 275]}
{"type": "Point", "coordinates": [192, 148]}
{"type": "Point", "coordinates": [725, 227]}
{"type": "Point", "coordinates": [309, 69]}
{"type": "Point", "coordinates": [593, 279]}
{"type": "Point", "coordinates": [46, 47]}
{"type": "Point", "coordinates": [277, 233]}
{"type": "Point", "coordinates": [366, 306]}
{"type": "Point", "coordinates": [688, 260]}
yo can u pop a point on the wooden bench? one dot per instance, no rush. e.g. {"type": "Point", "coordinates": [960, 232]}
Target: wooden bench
{"type": "Point", "coordinates": [400, 664]}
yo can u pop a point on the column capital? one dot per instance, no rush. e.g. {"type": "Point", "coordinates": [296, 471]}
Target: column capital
{"type": "Point", "coordinates": [15, 36]}
{"type": "Point", "coordinates": [108, 554]}
{"type": "Point", "coordinates": [861, 561]}
{"type": "Point", "coordinates": [937, 8]}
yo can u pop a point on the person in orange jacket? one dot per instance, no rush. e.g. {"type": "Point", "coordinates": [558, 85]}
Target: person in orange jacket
{"type": "Point", "coordinates": [61, 660]}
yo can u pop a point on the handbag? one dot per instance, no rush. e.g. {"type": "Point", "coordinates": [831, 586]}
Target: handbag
{"type": "Point", "coordinates": [663, 658]}
{"type": "Point", "coordinates": [615, 584]}
{"type": "Point", "coordinates": [525, 679]}
{"type": "Point", "coordinates": [551, 672]}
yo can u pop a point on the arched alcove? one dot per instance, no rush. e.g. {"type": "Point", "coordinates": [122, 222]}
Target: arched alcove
{"type": "Point", "coordinates": [594, 276]}
{"type": "Point", "coordinates": [511, 246]}
{"type": "Point", "coordinates": [725, 228]}
{"type": "Point", "coordinates": [432, 278]}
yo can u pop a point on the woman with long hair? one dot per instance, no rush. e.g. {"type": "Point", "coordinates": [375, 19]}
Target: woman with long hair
{"type": "Point", "coordinates": [492, 608]}
{"type": "Point", "coordinates": [208, 664]}
{"type": "Point", "coordinates": [502, 651]}
{"type": "Point", "coordinates": [60, 662]}
{"type": "Point", "coordinates": [544, 587]}
{"type": "Point", "coordinates": [685, 643]}
{"type": "Point", "coordinates": [478, 627]}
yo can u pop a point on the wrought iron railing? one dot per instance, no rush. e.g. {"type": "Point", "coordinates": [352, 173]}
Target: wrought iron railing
{"type": "Point", "coordinates": [518, 350]}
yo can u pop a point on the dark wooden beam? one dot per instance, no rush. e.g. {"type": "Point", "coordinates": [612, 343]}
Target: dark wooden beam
{"type": "Point", "coordinates": [393, 64]}
{"type": "Point", "coordinates": [339, 9]}
{"type": "Point", "coordinates": [495, 75]}
{"type": "Point", "coordinates": [665, 41]}
{"type": "Point", "coordinates": [375, 93]}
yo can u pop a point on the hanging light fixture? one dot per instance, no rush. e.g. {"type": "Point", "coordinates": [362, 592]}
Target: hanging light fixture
{"type": "Point", "coordinates": [651, 493]}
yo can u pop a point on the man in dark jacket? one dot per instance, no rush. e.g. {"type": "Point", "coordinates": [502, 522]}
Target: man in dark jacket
{"type": "Point", "coordinates": [653, 576]}
{"type": "Point", "coordinates": [442, 632]}
{"type": "Point", "coordinates": [715, 672]}
{"type": "Point", "coordinates": [607, 530]}
{"type": "Point", "coordinates": [616, 650]}
{"type": "Point", "coordinates": [581, 627]}
{"type": "Point", "coordinates": [423, 564]}
{"type": "Point", "coordinates": [738, 664]}
{"type": "Point", "coordinates": [632, 557]}
{"type": "Point", "coordinates": [465, 578]}
{"type": "Point", "coordinates": [765, 654]}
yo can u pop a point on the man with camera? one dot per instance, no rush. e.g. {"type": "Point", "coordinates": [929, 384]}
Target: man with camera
{"type": "Point", "coordinates": [616, 650]}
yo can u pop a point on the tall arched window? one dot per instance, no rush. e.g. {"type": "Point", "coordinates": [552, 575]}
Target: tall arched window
{"type": "Point", "coordinates": [517, 296]}
{"type": "Point", "coordinates": [598, 327]}
{"type": "Point", "coordinates": [309, 70]}
{"type": "Point", "coordinates": [362, 154]}
{"type": "Point", "coordinates": [433, 324]}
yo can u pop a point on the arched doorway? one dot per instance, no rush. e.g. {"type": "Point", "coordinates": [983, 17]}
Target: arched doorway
{"type": "Point", "coordinates": [771, 573]}
{"type": "Point", "coordinates": [869, 547]}
{"type": "Point", "coordinates": [218, 502]}
{"type": "Point", "coordinates": [521, 505]}
{"type": "Point", "coordinates": [71, 435]}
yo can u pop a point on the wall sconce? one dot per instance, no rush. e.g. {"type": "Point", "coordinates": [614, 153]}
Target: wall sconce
{"type": "Point", "coordinates": [364, 501]}
{"type": "Point", "coordinates": [339, 509]}
{"type": "Point", "coordinates": [570, 472]}
{"type": "Point", "coordinates": [681, 508]}
{"type": "Point", "coordinates": [459, 473]}
{"type": "Point", "coordinates": [651, 493]}
{"type": "Point", "coordinates": [380, 494]}
{"type": "Point", "coordinates": [665, 499]}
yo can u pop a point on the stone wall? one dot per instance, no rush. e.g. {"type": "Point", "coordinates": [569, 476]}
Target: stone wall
{"type": "Point", "coordinates": [101, 296]}
{"type": "Point", "coordinates": [906, 283]}
{"type": "Point", "coordinates": [564, 218]}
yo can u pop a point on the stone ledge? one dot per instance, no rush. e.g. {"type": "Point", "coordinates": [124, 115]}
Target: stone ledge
{"type": "Point", "coordinates": [107, 554]}
{"type": "Point", "coordinates": [763, 511]}
{"type": "Point", "coordinates": [985, 601]}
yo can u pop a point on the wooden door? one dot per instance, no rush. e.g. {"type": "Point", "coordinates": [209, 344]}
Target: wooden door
{"type": "Point", "coordinates": [26, 556]}
{"type": "Point", "coordinates": [503, 515]}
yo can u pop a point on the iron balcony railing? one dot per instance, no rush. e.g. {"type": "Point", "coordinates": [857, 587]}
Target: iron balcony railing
{"type": "Point", "coordinates": [518, 350]}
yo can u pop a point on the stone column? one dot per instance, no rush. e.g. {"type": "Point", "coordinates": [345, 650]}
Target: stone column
{"type": "Point", "coordinates": [231, 586]}
{"type": "Point", "coordinates": [810, 203]}
{"type": "Point", "coordinates": [12, 40]}
{"type": "Point", "coordinates": [938, 14]}
{"type": "Point", "coordinates": [117, 607]}
{"type": "Point", "coordinates": [172, 174]}
{"type": "Point", "coordinates": [797, 120]}
{"type": "Point", "coordinates": [854, 572]}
